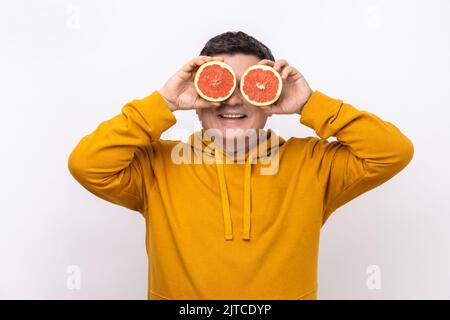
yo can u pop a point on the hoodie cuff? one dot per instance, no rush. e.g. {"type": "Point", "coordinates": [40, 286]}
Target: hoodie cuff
{"type": "Point", "coordinates": [319, 112]}
{"type": "Point", "coordinates": [155, 111]}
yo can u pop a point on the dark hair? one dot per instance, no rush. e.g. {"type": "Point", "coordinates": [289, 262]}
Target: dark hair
{"type": "Point", "coordinates": [236, 42]}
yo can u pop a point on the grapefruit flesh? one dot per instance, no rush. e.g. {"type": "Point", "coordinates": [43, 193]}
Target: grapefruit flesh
{"type": "Point", "coordinates": [261, 85]}
{"type": "Point", "coordinates": [215, 81]}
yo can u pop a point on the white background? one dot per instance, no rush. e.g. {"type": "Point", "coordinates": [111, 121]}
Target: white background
{"type": "Point", "coordinates": [65, 66]}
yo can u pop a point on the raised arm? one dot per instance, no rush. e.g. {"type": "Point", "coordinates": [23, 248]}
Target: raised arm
{"type": "Point", "coordinates": [368, 150]}
{"type": "Point", "coordinates": [113, 162]}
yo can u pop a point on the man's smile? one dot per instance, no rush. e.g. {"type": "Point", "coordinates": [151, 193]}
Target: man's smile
{"type": "Point", "coordinates": [232, 116]}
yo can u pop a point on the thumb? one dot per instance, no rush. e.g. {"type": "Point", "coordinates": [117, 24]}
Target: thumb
{"type": "Point", "coordinates": [201, 103]}
{"type": "Point", "coordinates": [269, 110]}
{"type": "Point", "coordinates": [275, 108]}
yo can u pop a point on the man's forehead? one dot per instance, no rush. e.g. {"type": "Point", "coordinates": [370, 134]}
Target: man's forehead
{"type": "Point", "coordinates": [240, 62]}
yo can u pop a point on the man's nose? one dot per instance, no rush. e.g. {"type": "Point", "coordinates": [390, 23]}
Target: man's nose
{"type": "Point", "coordinates": [236, 98]}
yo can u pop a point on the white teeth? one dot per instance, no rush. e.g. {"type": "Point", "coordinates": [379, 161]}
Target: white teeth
{"type": "Point", "coordinates": [232, 116]}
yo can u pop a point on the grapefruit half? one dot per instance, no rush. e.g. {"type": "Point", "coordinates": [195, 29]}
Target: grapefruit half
{"type": "Point", "coordinates": [215, 81]}
{"type": "Point", "coordinates": [261, 85]}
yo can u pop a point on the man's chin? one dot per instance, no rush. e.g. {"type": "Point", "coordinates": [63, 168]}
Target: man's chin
{"type": "Point", "coordinates": [232, 133]}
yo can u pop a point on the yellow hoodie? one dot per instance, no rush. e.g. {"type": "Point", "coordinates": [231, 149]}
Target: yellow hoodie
{"type": "Point", "coordinates": [195, 210]}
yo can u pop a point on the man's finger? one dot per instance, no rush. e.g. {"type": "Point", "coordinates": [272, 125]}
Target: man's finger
{"type": "Point", "coordinates": [215, 58]}
{"type": "Point", "coordinates": [266, 62]}
{"type": "Point", "coordinates": [194, 63]}
{"type": "Point", "coordinates": [198, 61]}
{"type": "Point", "coordinates": [292, 73]}
{"type": "Point", "coordinates": [201, 103]}
{"type": "Point", "coordinates": [287, 71]}
{"type": "Point", "coordinates": [267, 110]}
{"type": "Point", "coordinates": [280, 64]}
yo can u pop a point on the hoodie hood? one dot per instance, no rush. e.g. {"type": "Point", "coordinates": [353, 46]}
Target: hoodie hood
{"type": "Point", "coordinates": [263, 148]}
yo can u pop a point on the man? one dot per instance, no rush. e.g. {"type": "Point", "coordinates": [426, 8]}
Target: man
{"type": "Point", "coordinates": [221, 230]}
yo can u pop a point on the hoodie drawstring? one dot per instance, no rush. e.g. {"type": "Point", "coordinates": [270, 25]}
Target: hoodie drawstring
{"type": "Point", "coordinates": [224, 197]}
{"type": "Point", "coordinates": [225, 201]}
{"type": "Point", "coordinates": [247, 198]}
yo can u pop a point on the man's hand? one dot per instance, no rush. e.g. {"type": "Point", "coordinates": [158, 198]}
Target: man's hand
{"type": "Point", "coordinates": [295, 93]}
{"type": "Point", "coordinates": [179, 91]}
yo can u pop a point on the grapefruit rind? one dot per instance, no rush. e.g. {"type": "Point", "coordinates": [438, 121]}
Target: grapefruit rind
{"type": "Point", "coordinates": [263, 67]}
{"type": "Point", "coordinates": [199, 71]}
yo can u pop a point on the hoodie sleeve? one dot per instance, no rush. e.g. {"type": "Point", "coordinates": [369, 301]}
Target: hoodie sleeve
{"type": "Point", "coordinates": [113, 162]}
{"type": "Point", "coordinates": [368, 150]}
